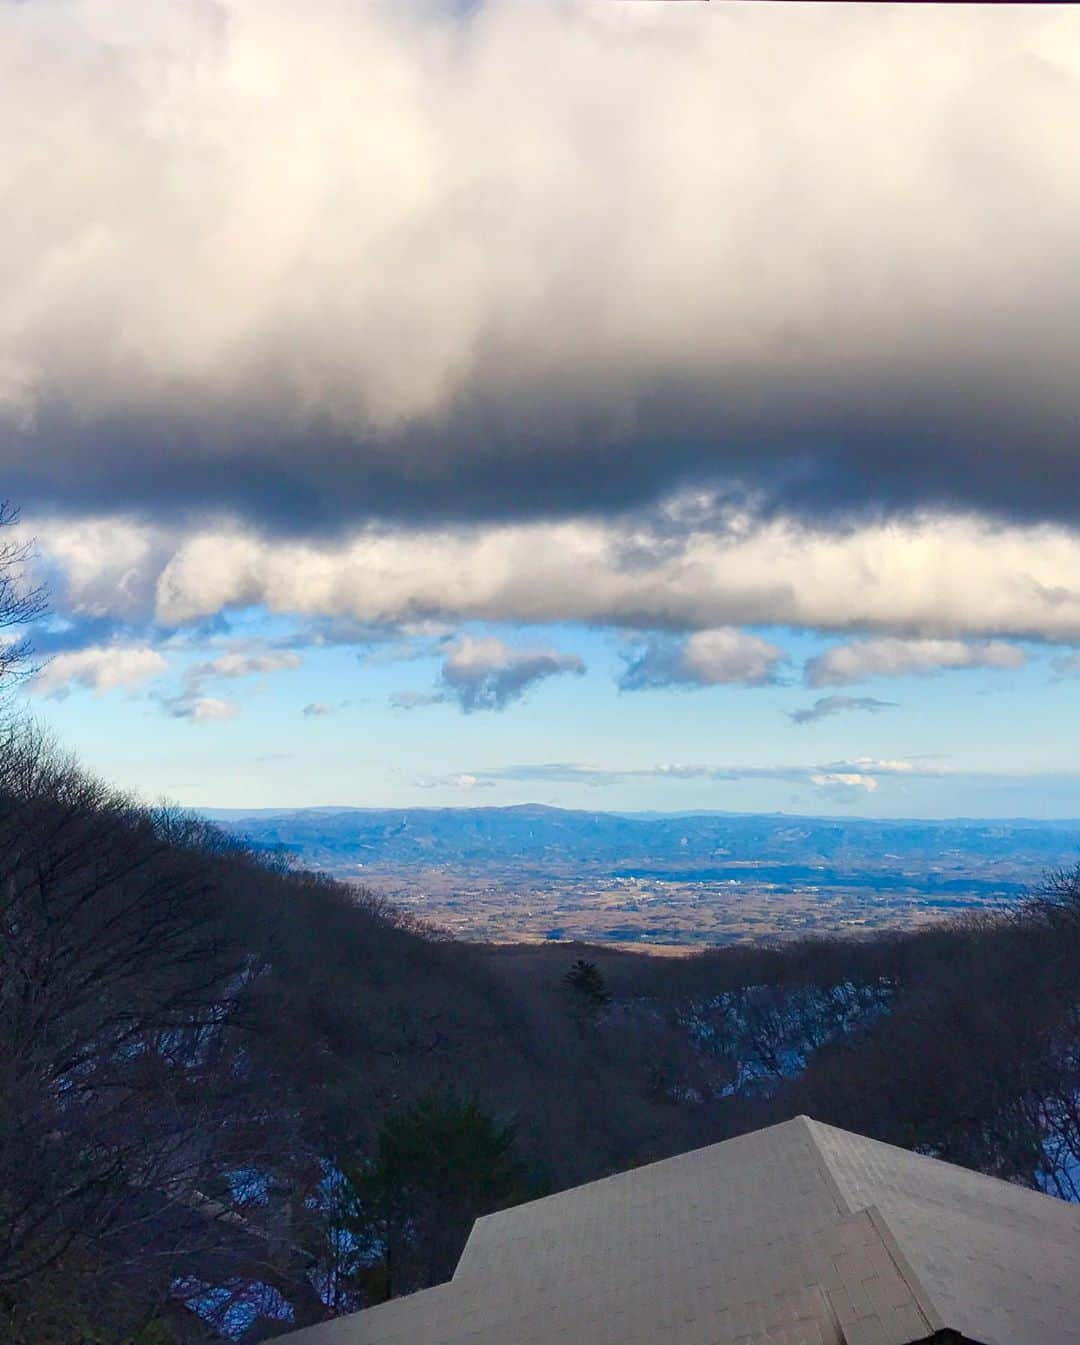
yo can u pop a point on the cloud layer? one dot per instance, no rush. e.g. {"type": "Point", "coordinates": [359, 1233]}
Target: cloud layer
{"type": "Point", "coordinates": [952, 579]}
{"type": "Point", "coordinates": [690, 322]}
{"type": "Point", "coordinates": [835, 778]}
{"type": "Point", "coordinates": [538, 259]}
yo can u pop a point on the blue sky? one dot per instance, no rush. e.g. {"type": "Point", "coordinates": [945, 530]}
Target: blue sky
{"type": "Point", "coordinates": [614, 406]}
{"type": "Point", "coordinates": [982, 742]}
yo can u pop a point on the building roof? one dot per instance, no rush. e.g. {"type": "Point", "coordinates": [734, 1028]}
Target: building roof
{"type": "Point", "coordinates": [799, 1234]}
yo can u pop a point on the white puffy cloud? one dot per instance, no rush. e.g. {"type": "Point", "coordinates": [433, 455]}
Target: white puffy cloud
{"type": "Point", "coordinates": [843, 780]}
{"type": "Point", "coordinates": [103, 567]}
{"type": "Point", "coordinates": [488, 674]}
{"type": "Point", "coordinates": [99, 669]}
{"type": "Point", "coordinates": [891, 657]}
{"type": "Point", "coordinates": [317, 709]}
{"type": "Point", "coordinates": [203, 709]}
{"type": "Point", "coordinates": [724, 657]}
{"type": "Point", "coordinates": [930, 578]}
{"type": "Point", "coordinates": [934, 577]}
{"type": "Point", "coordinates": [192, 703]}
{"type": "Point", "coordinates": [246, 663]}
{"type": "Point", "coordinates": [894, 766]}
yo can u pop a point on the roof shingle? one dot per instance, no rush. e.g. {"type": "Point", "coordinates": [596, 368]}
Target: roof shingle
{"type": "Point", "coordinates": [799, 1234]}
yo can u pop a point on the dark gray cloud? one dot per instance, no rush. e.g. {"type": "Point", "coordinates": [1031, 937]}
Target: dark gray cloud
{"type": "Point", "coordinates": [830, 456]}
{"type": "Point", "coordinates": [871, 313]}
{"type": "Point", "coordinates": [825, 706]}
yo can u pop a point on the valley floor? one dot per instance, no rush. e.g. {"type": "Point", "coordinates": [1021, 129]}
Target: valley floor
{"type": "Point", "coordinates": [678, 912]}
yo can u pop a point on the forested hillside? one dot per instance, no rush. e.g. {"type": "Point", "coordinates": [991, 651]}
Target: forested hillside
{"type": "Point", "coordinates": [550, 839]}
{"type": "Point", "coordinates": [234, 1096]}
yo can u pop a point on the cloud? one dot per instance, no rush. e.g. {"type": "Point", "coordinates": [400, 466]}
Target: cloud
{"type": "Point", "coordinates": [554, 772]}
{"type": "Point", "coordinates": [464, 781]}
{"type": "Point", "coordinates": [203, 709]}
{"type": "Point", "coordinates": [862, 773]}
{"type": "Point", "coordinates": [244, 663]}
{"type": "Point", "coordinates": [241, 661]}
{"type": "Point", "coordinates": [51, 637]}
{"type": "Point", "coordinates": [693, 564]}
{"type": "Point", "coordinates": [724, 657]}
{"type": "Point", "coordinates": [245, 660]}
{"type": "Point", "coordinates": [724, 244]}
{"type": "Point", "coordinates": [926, 766]}
{"type": "Point", "coordinates": [414, 700]}
{"type": "Point", "coordinates": [900, 658]}
{"type": "Point", "coordinates": [99, 669]}
{"type": "Point", "coordinates": [825, 706]}
{"type": "Point", "coordinates": [316, 709]}
{"type": "Point", "coordinates": [843, 780]}
{"type": "Point", "coordinates": [105, 569]}
{"type": "Point", "coordinates": [488, 675]}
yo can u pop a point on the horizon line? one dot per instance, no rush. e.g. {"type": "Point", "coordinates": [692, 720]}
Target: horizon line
{"type": "Point", "coordinates": [634, 812]}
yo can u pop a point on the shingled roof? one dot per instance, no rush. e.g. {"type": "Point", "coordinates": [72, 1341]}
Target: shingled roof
{"type": "Point", "coordinates": [800, 1234]}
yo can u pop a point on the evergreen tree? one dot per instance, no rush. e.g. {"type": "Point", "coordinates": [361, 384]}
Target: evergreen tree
{"type": "Point", "coordinates": [441, 1163]}
{"type": "Point", "coordinates": [587, 989]}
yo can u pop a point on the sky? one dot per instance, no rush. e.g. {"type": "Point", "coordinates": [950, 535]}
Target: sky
{"type": "Point", "coordinates": [616, 406]}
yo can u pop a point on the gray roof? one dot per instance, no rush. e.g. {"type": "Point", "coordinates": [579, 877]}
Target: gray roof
{"type": "Point", "coordinates": [800, 1234]}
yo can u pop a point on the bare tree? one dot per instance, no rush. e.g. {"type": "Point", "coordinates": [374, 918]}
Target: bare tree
{"type": "Point", "coordinates": [20, 602]}
{"type": "Point", "coordinates": [130, 1139]}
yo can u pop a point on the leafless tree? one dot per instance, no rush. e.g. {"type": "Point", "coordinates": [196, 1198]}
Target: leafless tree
{"type": "Point", "coordinates": [21, 602]}
{"type": "Point", "coordinates": [123, 1103]}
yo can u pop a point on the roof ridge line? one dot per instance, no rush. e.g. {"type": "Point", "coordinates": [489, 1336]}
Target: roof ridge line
{"type": "Point", "coordinates": [905, 1269]}
{"type": "Point", "coordinates": [843, 1204]}
{"type": "Point", "coordinates": [889, 1240]}
{"type": "Point", "coordinates": [1013, 1187]}
{"type": "Point", "coordinates": [881, 1224]}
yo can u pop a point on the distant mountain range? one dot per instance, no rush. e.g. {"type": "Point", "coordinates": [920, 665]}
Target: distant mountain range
{"type": "Point", "coordinates": [707, 845]}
